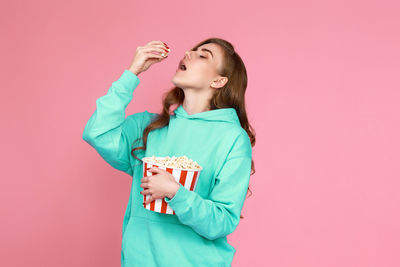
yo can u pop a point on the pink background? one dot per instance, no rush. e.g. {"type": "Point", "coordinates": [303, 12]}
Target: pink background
{"type": "Point", "coordinates": [323, 96]}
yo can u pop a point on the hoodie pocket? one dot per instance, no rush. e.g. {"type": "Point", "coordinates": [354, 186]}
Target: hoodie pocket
{"type": "Point", "coordinates": [204, 248]}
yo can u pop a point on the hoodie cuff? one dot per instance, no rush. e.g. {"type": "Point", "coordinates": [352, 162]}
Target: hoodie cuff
{"type": "Point", "coordinates": [129, 79]}
{"type": "Point", "coordinates": [179, 201]}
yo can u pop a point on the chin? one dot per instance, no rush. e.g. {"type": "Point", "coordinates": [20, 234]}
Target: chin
{"type": "Point", "coordinates": [176, 81]}
{"type": "Point", "coordinates": [185, 82]}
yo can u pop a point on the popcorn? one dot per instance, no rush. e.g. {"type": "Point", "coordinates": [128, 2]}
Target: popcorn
{"type": "Point", "coordinates": [184, 170]}
{"type": "Point", "coordinates": [165, 54]}
{"type": "Point", "coordinates": [182, 162]}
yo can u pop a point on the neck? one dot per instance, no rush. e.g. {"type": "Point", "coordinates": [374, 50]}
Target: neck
{"type": "Point", "coordinates": [196, 102]}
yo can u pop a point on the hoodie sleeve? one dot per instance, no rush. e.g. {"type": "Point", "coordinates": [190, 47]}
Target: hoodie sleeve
{"type": "Point", "coordinates": [219, 215]}
{"type": "Point", "coordinates": [107, 129]}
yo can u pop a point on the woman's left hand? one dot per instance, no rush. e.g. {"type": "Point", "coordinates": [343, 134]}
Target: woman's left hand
{"type": "Point", "coordinates": [159, 185]}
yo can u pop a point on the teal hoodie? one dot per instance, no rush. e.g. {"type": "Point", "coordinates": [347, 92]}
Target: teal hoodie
{"type": "Point", "coordinates": [196, 235]}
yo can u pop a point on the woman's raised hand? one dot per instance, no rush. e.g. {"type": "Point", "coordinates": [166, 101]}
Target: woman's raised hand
{"type": "Point", "coordinates": [148, 55]}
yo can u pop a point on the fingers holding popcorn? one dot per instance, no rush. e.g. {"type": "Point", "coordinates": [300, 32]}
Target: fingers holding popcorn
{"type": "Point", "coordinates": [161, 184]}
{"type": "Point", "coordinates": [146, 192]}
{"type": "Point", "coordinates": [147, 55]}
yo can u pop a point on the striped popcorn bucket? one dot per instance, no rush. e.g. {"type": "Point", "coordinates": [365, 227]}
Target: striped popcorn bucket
{"type": "Point", "coordinates": [188, 178]}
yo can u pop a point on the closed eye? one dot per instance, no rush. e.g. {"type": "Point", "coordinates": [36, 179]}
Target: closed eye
{"type": "Point", "coordinates": [200, 55]}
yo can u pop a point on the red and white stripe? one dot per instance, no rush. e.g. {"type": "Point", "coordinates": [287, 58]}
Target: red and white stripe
{"type": "Point", "coordinates": [188, 178]}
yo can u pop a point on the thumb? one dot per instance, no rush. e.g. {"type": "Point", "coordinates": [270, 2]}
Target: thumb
{"type": "Point", "coordinates": [155, 169]}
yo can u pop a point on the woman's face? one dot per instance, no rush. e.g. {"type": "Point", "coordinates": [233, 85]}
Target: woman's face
{"type": "Point", "coordinates": [201, 68]}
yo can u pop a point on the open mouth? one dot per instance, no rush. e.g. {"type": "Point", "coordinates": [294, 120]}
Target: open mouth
{"type": "Point", "coordinates": [182, 66]}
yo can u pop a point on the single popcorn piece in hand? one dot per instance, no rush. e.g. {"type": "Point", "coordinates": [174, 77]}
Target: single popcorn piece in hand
{"type": "Point", "coordinates": [166, 54]}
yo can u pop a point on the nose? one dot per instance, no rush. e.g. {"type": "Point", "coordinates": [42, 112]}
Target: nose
{"type": "Point", "coordinates": [187, 54]}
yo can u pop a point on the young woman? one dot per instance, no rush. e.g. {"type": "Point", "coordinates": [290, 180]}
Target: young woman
{"type": "Point", "coordinates": [209, 125]}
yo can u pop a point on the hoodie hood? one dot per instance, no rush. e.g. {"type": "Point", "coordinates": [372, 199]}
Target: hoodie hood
{"type": "Point", "coordinates": [222, 114]}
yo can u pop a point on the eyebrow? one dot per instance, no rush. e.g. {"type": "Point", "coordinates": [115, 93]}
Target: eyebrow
{"type": "Point", "coordinates": [205, 49]}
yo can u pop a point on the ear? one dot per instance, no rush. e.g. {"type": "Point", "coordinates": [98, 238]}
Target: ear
{"type": "Point", "coordinates": [219, 82]}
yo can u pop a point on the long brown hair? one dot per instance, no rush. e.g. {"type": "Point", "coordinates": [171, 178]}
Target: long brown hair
{"type": "Point", "coordinates": [231, 95]}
